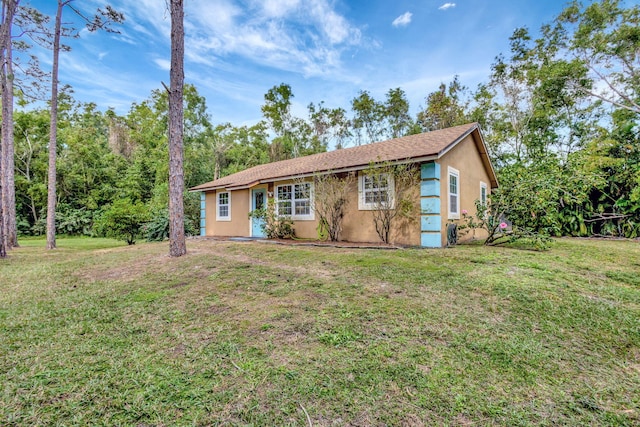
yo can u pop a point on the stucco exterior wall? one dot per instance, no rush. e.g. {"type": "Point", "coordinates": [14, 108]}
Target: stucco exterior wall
{"type": "Point", "coordinates": [304, 228]}
{"type": "Point", "coordinates": [358, 225]}
{"type": "Point", "coordinates": [465, 158]}
{"type": "Point", "coordinates": [210, 213]}
{"type": "Point", "coordinates": [239, 223]}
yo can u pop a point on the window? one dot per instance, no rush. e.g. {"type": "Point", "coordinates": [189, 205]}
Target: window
{"type": "Point", "coordinates": [376, 191]}
{"type": "Point", "coordinates": [483, 193]}
{"type": "Point", "coordinates": [223, 213]}
{"type": "Point", "coordinates": [454, 193]}
{"type": "Point", "coordinates": [294, 200]}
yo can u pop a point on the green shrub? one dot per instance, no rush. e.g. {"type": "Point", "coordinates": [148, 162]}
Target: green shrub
{"type": "Point", "coordinates": [274, 226]}
{"type": "Point", "coordinates": [122, 220]}
{"type": "Point", "coordinates": [157, 229]}
{"type": "Point", "coordinates": [73, 222]}
{"type": "Point", "coordinates": [69, 221]}
{"type": "Point", "coordinates": [491, 218]}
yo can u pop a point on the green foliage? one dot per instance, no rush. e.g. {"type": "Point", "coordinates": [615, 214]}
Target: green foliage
{"type": "Point", "coordinates": [396, 108]}
{"type": "Point", "coordinates": [329, 124]}
{"type": "Point", "coordinates": [395, 199]}
{"type": "Point", "coordinates": [491, 219]}
{"type": "Point", "coordinates": [368, 118]}
{"type": "Point", "coordinates": [123, 220]}
{"type": "Point", "coordinates": [73, 222]}
{"type": "Point", "coordinates": [566, 164]}
{"type": "Point", "coordinates": [274, 226]}
{"type": "Point", "coordinates": [69, 221]}
{"type": "Point", "coordinates": [277, 108]}
{"type": "Point", "coordinates": [294, 137]}
{"type": "Point", "coordinates": [444, 107]}
{"type": "Point", "coordinates": [157, 229]}
{"type": "Point", "coordinates": [24, 228]}
{"type": "Point", "coordinates": [605, 37]}
{"type": "Point", "coordinates": [546, 197]}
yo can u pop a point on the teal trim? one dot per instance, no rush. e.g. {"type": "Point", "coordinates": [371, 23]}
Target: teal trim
{"type": "Point", "coordinates": [203, 214]}
{"type": "Point", "coordinates": [431, 240]}
{"type": "Point", "coordinates": [430, 188]}
{"type": "Point", "coordinates": [430, 205]}
{"type": "Point", "coordinates": [430, 223]}
{"type": "Point", "coordinates": [430, 170]}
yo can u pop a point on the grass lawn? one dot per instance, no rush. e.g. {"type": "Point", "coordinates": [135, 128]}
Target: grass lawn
{"type": "Point", "coordinates": [257, 334]}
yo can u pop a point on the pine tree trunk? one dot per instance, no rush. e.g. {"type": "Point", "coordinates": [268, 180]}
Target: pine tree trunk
{"type": "Point", "coordinates": [4, 39]}
{"type": "Point", "coordinates": [8, 186]}
{"type": "Point", "coordinates": [177, 244]}
{"type": "Point", "coordinates": [53, 135]}
{"type": "Point", "coordinates": [3, 250]}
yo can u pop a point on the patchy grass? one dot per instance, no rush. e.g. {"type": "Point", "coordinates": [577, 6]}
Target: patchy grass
{"type": "Point", "coordinates": [248, 333]}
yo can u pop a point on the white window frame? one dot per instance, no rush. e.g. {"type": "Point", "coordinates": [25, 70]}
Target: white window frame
{"type": "Point", "coordinates": [484, 192]}
{"type": "Point", "coordinates": [297, 217]}
{"type": "Point", "coordinates": [455, 173]}
{"type": "Point", "coordinates": [226, 217]}
{"type": "Point", "coordinates": [363, 205]}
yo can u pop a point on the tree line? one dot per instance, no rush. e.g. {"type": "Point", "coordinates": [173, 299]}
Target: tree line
{"type": "Point", "coordinates": [559, 112]}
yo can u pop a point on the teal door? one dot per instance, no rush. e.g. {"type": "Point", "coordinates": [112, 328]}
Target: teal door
{"type": "Point", "coordinates": [258, 201]}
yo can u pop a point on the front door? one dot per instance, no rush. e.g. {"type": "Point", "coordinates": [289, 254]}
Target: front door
{"type": "Point", "coordinates": [258, 201]}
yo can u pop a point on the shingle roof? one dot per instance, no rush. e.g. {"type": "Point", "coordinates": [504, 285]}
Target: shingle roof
{"type": "Point", "coordinates": [431, 144]}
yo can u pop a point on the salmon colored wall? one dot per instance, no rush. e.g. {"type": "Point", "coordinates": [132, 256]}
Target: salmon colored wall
{"type": "Point", "coordinates": [304, 229]}
{"type": "Point", "coordinates": [239, 224]}
{"type": "Point", "coordinates": [358, 225]}
{"type": "Point", "coordinates": [210, 213]}
{"type": "Point", "coordinates": [466, 159]}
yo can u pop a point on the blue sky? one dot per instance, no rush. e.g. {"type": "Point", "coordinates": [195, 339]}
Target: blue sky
{"type": "Point", "coordinates": [327, 50]}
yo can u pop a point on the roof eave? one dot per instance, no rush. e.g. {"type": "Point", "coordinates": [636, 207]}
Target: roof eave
{"type": "Point", "coordinates": [231, 187]}
{"type": "Point", "coordinates": [482, 149]}
{"type": "Point", "coordinates": [484, 154]}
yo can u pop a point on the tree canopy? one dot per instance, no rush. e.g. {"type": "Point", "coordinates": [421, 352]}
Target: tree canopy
{"type": "Point", "coordinates": [559, 112]}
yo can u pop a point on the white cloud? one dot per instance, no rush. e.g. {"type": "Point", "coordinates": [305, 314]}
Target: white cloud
{"type": "Point", "coordinates": [142, 12]}
{"type": "Point", "coordinates": [216, 16]}
{"type": "Point", "coordinates": [335, 27]}
{"type": "Point", "coordinates": [278, 8]}
{"type": "Point", "coordinates": [447, 6]}
{"type": "Point", "coordinates": [402, 20]}
{"type": "Point", "coordinates": [163, 64]}
{"type": "Point", "coordinates": [228, 38]}
{"type": "Point", "coordinates": [281, 34]}
{"type": "Point", "coordinates": [100, 83]}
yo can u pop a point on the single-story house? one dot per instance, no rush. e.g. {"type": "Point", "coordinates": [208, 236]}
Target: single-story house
{"type": "Point", "coordinates": [454, 168]}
